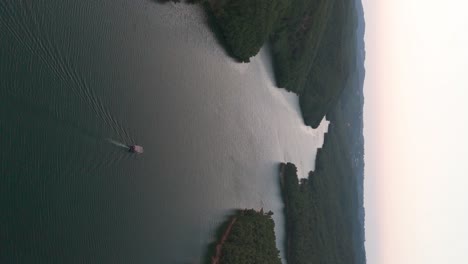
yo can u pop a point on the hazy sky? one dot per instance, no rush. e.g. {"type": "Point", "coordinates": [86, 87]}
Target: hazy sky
{"type": "Point", "coordinates": [416, 130]}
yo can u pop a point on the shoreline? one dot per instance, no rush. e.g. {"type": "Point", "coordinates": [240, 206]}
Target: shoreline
{"type": "Point", "coordinates": [219, 246]}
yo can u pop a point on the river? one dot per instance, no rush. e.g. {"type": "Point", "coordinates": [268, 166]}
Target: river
{"type": "Point", "coordinates": [80, 78]}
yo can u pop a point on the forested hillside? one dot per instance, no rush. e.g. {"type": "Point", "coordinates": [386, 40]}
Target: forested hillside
{"type": "Point", "coordinates": [313, 44]}
{"type": "Point", "coordinates": [322, 211]}
{"type": "Point", "coordinates": [314, 52]}
{"type": "Point", "coordinates": [248, 238]}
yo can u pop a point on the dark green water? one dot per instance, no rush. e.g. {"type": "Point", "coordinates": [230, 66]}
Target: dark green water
{"type": "Point", "coordinates": [76, 76]}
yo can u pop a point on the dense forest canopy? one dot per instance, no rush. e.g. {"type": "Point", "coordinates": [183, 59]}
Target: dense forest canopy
{"type": "Point", "coordinates": [314, 52]}
{"type": "Point", "coordinates": [324, 212]}
{"type": "Point", "coordinates": [313, 44]}
{"type": "Point", "coordinates": [251, 240]}
{"type": "Point", "coordinates": [246, 24]}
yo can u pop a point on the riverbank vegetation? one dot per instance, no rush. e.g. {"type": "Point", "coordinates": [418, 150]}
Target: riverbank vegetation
{"type": "Point", "coordinates": [324, 212]}
{"type": "Point", "coordinates": [314, 51]}
{"type": "Point", "coordinates": [321, 212]}
{"type": "Point", "coordinates": [248, 237]}
{"type": "Point", "coordinates": [313, 44]}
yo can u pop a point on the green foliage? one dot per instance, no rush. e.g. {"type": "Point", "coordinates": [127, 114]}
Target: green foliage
{"type": "Point", "coordinates": [251, 241]}
{"type": "Point", "coordinates": [322, 212]}
{"type": "Point", "coordinates": [246, 24]}
{"type": "Point", "coordinates": [313, 44]}
{"type": "Point", "coordinates": [314, 50]}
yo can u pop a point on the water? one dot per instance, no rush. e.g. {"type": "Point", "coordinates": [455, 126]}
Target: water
{"type": "Point", "coordinates": [81, 80]}
{"type": "Point", "coordinates": [118, 144]}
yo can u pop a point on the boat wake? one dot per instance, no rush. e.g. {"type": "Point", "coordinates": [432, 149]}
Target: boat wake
{"type": "Point", "coordinates": [118, 144]}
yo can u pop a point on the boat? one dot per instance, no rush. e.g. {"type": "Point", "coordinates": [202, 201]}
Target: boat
{"type": "Point", "coordinates": [136, 149]}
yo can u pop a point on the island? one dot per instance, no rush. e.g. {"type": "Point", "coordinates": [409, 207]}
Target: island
{"type": "Point", "coordinates": [247, 237]}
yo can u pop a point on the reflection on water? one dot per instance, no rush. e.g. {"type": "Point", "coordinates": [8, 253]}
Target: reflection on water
{"type": "Point", "coordinates": [82, 79]}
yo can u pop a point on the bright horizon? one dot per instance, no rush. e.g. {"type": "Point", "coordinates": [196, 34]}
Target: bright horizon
{"type": "Point", "coordinates": [416, 124]}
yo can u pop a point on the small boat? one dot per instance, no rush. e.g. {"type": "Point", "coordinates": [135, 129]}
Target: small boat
{"type": "Point", "coordinates": [136, 149]}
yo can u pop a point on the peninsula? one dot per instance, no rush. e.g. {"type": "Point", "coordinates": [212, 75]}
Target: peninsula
{"type": "Point", "coordinates": [313, 44]}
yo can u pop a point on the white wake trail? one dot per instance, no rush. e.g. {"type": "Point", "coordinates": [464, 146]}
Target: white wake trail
{"type": "Point", "coordinates": [119, 144]}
